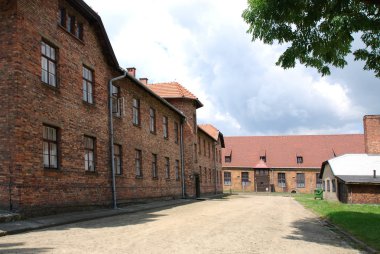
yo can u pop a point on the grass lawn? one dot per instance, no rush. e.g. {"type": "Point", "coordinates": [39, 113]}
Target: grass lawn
{"type": "Point", "coordinates": [362, 221]}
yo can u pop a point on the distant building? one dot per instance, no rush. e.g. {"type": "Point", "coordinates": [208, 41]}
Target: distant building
{"type": "Point", "coordinates": [282, 163]}
{"type": "Point", "coordinates": [352, 178]}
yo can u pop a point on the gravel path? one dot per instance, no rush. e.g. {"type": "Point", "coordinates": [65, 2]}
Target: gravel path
{"type": "Point", "coordinates": [238, 224]}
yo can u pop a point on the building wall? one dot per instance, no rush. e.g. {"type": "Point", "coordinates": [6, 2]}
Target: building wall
{"type": "Point", "coordinates": [365, 194]}
{"type": "Point", "coordinates": [10, 72]}
{"type": "Point", "coordinates": [327, 178]}
{"type": "Point", "coordinates": [131, 137]}
{"type": "Point", "coordinates": [290, 177]}
{"type": "Point", "coordinates": [372, 134]}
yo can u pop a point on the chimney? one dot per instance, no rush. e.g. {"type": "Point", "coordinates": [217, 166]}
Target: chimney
{"type": "Point", "coordinates": [132, 71]}
{"type": "Point", "coordinates": [144, 81]}
{"type": "Point", "coordinates": [374, 173]}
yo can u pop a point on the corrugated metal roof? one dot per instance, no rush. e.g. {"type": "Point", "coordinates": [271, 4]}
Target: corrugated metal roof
{"type": "Point", "coordinates": [355, 165]}
{"type": "Point", "coordinates": [360, 179]}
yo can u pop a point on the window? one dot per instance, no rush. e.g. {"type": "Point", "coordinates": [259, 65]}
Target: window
{"type": "Point", "coordinates": [195, 123]}
{"type": "Point", "coordinates": [220, 156]}
{"type": "Point", "coordinates": [328, 185]}
{"type": "Point", "coordinates": [48, 64]}
{"type": "Point", "coordinates": [152, 120]}
{"type": "Point", "coordinates": [323, 185]}
{"type": "Point", "coordinates": [195, 153]}
{"type": "Point", "coordinates": [136, 112]}
{"type": "Point", "coordinates": [200, 173]}
{"type": "Point", "coordinates": [88, 85]}
{"type": "Point", "coordinates": [209, 174]}
{"type": "Point", "coordinates": [116, 101]}
{"type": "Point", "coordinates": [176, 168]}
{"type": "Point", "coordinates": [299, 159]}
{"type": "Point", "coordinates": [281, 180]}
{"type": "Point", "coordinates": [227, 178]}
{"type": "Point", "coordinates": [333, 185]}
{"type": "Point", "coordinates": [227, 158]}
{"type": "Point", "coordinates": [50, 147]}
{"type": "Point", "coordinates": [205, 170]}
{"type": "Point", "coordinates": [199, 143]}
{"type": "Point", "coordinates": [89, 154]}
{"type": "Point", "coordinates": [138, 163]}
{"type": "Point", "coordinates": [263, 158]}
{"type": "Point", "coordinates": [70, 24]}
{"type": "Point", "coordinates": [167, 168]}
{"type": "Point", "coordinates": [62, 17]}
{"type": "Point", "coordinates": [318, 181]}
{"type": "Point", "coordinates": [204, 147]}
{"type": "Point", "coordinates": [176, 133]}
{"type": "Point", "coordinates": [154, 165]}
{"type": "Point", "coordinates": [165, 126]}
{"type": "Point", "coordinates": [117, 159]}
{"type": "Point", "coordinates": [209, 151]}
{"type": "Point", "coordinates": [244, 177]}
{"type": "Point", "coordinates": [300, 180]}
{"type": "Point", "coordinates": [79, 31]}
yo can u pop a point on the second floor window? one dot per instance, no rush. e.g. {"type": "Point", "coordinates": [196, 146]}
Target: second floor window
{"type": "Point", "coordinates": [176, 133]}
{"type": "Point", "coordinates": [136, 112]}
{"type": "Point", "coordinates": [199, 146]}
{"type": "Point", "coordinates": [50, 147]}
{"type": "Point", "coordinates": [88, 85]}
{"type": "Point", "coordinates": [89, 153]}
{"type": "Point", "coordinates": [138, 163]}
{"type": "Point", "coordinates": [116, 101]}
{"type": "Point", "coordinates": [176, 168]}
{"type": "Point", "coordinates": [48, 64]}
{"type": "Point", "coordinates": [152, 120]}
{"type": "Point", "coordinates": [165, 126]}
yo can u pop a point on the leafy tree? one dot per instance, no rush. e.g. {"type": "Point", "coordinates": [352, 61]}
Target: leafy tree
{"type": "Point", "coordinates": [319, 32]}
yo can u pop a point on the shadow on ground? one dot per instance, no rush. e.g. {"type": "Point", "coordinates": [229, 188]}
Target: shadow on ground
{"type": "Point", "coordinates": [8, 248]}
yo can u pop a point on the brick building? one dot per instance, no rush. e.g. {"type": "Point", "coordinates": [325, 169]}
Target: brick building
{"type": "Point", "coordinates": [76, 130]}
{"type": "Point", "coordinates": [282, 163]}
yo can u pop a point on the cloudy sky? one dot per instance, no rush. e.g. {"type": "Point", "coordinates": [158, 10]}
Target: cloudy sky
{"type": "Point", "coordinates": [203, 45]}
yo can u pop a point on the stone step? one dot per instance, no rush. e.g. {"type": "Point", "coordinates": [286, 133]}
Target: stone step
{"type": "Point", "coordinates": [6, 216]}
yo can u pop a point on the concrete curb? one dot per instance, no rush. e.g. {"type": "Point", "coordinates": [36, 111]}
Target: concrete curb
{"type": "Point", "coordinates": [17, 227]}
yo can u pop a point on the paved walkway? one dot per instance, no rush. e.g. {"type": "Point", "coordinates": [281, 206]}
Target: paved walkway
{"type": "Point", "coordinates": [237, 224]}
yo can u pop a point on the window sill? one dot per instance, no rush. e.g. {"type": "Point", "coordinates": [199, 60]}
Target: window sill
{"type": "Point", "coordinates": [137, 125]}
{"type": "Point", "coordinates": [94, 173]}
{"type": "Point", "coordinates": [53, 170]}
{"type": "Point", "coordinates": [155, 178]}
{"type": "Point", "coordinates": [139, 177]}
{"type": "Point", "coordinates": [54, 88]}
{"type": "Point", "coordinates": [88, 103]}
{"type": "Point", "coordinates": [72, 35]}
{"type": "Point", "coordinates": [153, 132]}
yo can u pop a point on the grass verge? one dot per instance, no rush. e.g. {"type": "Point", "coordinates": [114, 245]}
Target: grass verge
{"type": "Point", "coordinates": [361, 221]}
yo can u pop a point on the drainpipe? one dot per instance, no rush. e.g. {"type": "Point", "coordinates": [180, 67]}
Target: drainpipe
{"type": "Point", "coordinates": [111, 137]}
{"type": "Point", "coordinates": [182, 162]}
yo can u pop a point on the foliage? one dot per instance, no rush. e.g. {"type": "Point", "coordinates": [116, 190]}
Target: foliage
{"type": "Point", "coordinates": [362, 221]}
{"type": "Point", "coordinates": [320, 32]}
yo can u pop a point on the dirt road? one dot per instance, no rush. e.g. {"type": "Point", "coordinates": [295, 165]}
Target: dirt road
{"type": "Point", "coordinates": [239, 224]}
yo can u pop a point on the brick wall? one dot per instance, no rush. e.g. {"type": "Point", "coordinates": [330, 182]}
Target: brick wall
{"type": "Point", "coordinates": [364, 194]}
{"type": "Point", "coordinates": [236, 184]}
{"type": "Point", "coordinates": [372, 134]}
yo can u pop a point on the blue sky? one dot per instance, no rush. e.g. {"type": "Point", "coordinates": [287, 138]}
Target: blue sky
{"type": "Point", "coordinates": [203, 45]}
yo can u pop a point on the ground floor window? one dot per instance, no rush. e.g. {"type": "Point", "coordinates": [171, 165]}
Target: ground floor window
{"type": "Point", "coordinates": [300, 180]}
{"type": "Point", "coordinates": [281, 180]}
{"type": "Point", "coordinates": [333, 185]}
{"type": "Point", "coordinates": [244, 177]}
{"type": "Point", "coordinates": [227, 178]}
{"type": "Point", "coordinates": [328, 185]}
{"type": "Point", "coordinates": [318, 181]}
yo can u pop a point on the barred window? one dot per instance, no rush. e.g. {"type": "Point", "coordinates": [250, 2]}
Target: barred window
{"type": "Point", "coordinates": [154, 165]}
{"type": "Point", "coordinates": [88, 85]}
{"type": "Point", "coordinates": [50, 147]}
{"type": "Point", "coordinates": [176, 168]}
{"type": "Point", "coordinates": [227, 178]}
{"type": "Point", "coordinates": [165, 126]}
{"type": "Point", "coordinates": [244, 177]}
{"type": "Point", "coordinates": [116, 105]}
{"type": "Point", "coordinates": [48, 64]}
{"type": "Point", "coordinates": [300, 180]}
{"type": "Point", "coordinates": [152, 120]}
{"type": "Point", "coordinates": [281, 180]}
{"type": "Point", "coordinates": [176, 133]}
{"type": "Point", "coordinates": [318, 181]}
{"type": "Point", "coordinates": [89, 153]}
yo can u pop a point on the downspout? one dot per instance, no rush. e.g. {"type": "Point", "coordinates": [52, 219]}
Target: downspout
{"type": "Point", "coordinates": [111, 138]}
{"type": "Point", "coordinates": [182, 162]}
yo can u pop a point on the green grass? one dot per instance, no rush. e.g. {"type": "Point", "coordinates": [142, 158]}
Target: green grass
{"type": "Point", "coordinates": [361, 221]}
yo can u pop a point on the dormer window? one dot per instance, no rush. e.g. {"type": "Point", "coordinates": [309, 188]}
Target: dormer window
{"type": "Point", "coordinates": [263, 158]}
{"type": "Point", "coordinates": [227, 158]}
{"type": "Point", "coordinates": [299, 159]}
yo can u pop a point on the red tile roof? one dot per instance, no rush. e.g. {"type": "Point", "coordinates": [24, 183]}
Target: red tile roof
{"type": "Point", "coordinates": [173, 90]}
{"type": "Point", "coordinates": [213, 132]}
{"type": "Point", "coordinates": [282, 151]}
{"type": "Point", "coordinates": [261, 164]}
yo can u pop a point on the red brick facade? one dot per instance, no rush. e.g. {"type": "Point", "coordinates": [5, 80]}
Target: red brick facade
{"type": "Point", "coordinates": [76, 106]}
{"type": "Point", "coordinates": [372, 134]}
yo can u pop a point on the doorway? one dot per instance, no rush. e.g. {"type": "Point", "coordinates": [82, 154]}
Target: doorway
{"type": "Point", "coordinates": [262, 180]}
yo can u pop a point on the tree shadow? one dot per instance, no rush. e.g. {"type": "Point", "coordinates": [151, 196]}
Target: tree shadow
{"type": "Point", "coordinates": [318, 231]}
{"type": "Point", "coordinates": [8, 248]}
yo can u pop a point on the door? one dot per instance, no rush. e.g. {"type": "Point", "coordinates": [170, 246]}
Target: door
{"type": "Point", "coordinates": [262, 180]}
{"type": "Point", "coordinates": [197, 186]}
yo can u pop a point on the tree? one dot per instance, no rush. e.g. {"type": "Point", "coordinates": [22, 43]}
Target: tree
{"type": "Point", "coordinates": [320, 32]}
